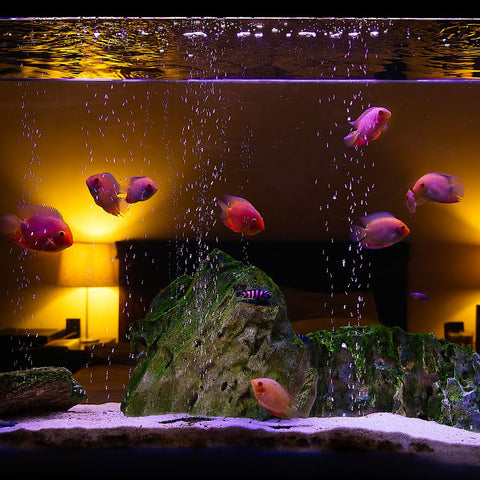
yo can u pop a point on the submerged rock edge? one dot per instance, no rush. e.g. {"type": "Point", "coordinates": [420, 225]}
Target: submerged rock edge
{"type": "Point", "coordinates": [350, 371]}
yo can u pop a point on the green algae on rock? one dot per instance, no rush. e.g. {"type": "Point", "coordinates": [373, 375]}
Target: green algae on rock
{"type": "Point", "coordinates": [39, 389]}
{"type": "Point", "coordinates": [200, 345]}
{"type": "Point", "coordinates": [374, 368]}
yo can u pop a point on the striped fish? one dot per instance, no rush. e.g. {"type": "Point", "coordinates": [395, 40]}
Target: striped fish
{"type": "Point", "coordinates": [256, 294]}
{"type": "Point", "coordinates": [303, 338]}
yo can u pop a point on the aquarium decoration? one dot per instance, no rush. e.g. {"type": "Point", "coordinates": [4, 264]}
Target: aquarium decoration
{"type": "Point", "coordinates": [199, 347]}
{"type": "Point", "coordinates": [39, 390]}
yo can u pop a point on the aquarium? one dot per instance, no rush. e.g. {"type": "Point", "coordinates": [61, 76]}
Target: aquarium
{"type": "Point", "coordinates": [255, 108]}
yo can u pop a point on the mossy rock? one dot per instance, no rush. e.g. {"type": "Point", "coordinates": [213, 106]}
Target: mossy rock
{"type": "Point", "coordinates": [374, 368]}
{"type": "Point", "coordinates": [38, 390]}
{"type": "Point", "coordinates": [200, 345]}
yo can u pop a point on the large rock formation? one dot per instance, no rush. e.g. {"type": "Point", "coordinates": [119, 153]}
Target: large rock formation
{"type": "Point", "coordinates": [201, 344]}
{"type": "Point", "coordinates": [375, 368]}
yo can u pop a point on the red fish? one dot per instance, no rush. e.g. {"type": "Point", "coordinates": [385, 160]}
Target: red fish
{"type": "Point", "coordinates": [240, 216]}
{"type": "Point", "coordinates": [274, 398]}
{"type": "Point", "coordinates": [368, 126]}
{"type": "Point", "coordinates": [435, 187]}
{"type": "Point", "coordinates": [38, 228]}
{"type": "Point", "coordinates": [379, 230]}
{"type": "Point", "coordinates": [107, 192]}
{"type": "Point", "coordinates": [140, 189]}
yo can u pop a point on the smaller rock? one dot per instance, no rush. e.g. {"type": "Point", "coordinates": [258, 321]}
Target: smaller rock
{"type": "Point", "coordinates": [39, 390]}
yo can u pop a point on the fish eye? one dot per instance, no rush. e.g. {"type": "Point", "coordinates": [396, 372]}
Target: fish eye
{"type": "Point", "coordinates": [254, 219]}
{"type": "Point", "coordinates": [61, 233]}
{"type": "Point", "coordinates": [380, 112]}
{"type": "Point", "coordinates": [260, 384]}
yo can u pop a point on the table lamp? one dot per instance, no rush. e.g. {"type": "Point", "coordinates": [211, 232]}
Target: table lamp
{"type": "Point", "coordinates": [88, 265]}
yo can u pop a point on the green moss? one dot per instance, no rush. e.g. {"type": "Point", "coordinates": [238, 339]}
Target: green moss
{"type": "Point", "coordinates": [199, 347]}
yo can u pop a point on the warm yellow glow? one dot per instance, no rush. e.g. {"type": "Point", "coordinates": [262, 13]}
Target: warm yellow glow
{"type": "Point", "coordinates": [89, 265]}
{"type": "Point", "coordinates": [53, 305]}
{"type": "Point", "coordinates": [95, 267]}
{"type": "Point", "coordinates": [89, 222]}
{"type": "Point", "coordinates": [445, 305]}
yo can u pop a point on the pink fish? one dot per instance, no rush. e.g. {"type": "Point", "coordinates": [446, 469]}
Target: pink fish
{"type": "Point", "coordinates": [140, 189]}
{"type": "Point", "coordinates": [438, 187]}
{"type": "Point", "coordinates": [368, 126]}
{"type": "Point", "coordinates": [240, 216]}
{"type": "Point", "coordinates": [274, 398]}
{"type": "Point", "coordinates": [37, 228]}
{"type": "Point", "coordinates": [106, 192]}
{"type": "Point", "coordinates": [411, 203]}
{"type": "Point", "coordinates": [379, 230]}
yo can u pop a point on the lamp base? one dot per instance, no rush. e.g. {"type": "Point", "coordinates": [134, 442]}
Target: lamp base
{"type": "Point", "coordinates": [89, 340]}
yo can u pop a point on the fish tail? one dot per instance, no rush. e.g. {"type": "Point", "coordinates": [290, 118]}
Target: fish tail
{"type": "Point", "coordinates": [119, 208]}
{"type": "Point", "coordinates": [458, 190]}
{"type": "Point", "coordinates": [10, 223]}
{"type": "Point", "coordinates": [225, 209]}
{"type": "Point", "coordinates": [357, 233]}
{"type": "Point", "coordinates": [351, 139]}
{"type": "Point", "coordinates": [225, 216]}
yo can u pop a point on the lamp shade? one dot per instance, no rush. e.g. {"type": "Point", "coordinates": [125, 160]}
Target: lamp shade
{"type": "Point", "coordinates": [89, 265]}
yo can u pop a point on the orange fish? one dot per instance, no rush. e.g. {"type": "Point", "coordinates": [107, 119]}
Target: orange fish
{"type": "Point", "coordinates": [140, 189]}
{"type": "Point", "coordinates": [240, 216]}
{"type": "Point", "coordinates": [274, 398]}
{"type": "Point", "coordinates": [379, 230]}
{"type": "Point", "coordinates": [368, 126]}
{"type": "Point", "coordinates": [37, 228]}
{"type": "Point", "coordinates": [435, 187]}
{"type": "Point", "coordinates": [106, 192]}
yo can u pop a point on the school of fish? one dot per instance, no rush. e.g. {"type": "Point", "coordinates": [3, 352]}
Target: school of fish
{"type": "Point", "coordinates": [43, 229]}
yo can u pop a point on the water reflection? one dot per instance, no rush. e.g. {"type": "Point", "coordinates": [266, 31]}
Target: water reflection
{"type": "Point", "coordinates": [240, 48]}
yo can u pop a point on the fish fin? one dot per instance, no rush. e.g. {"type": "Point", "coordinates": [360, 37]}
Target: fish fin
{"type": "Point", "coordinates": [374, 216]}
{"type": "Point", "coordinates": [121, 207]}
{"type": "Point", "coordinates": [458, 189]}
{"type": "Point", "coordinates": [351, 139]}
{"type": "Point", "coordinates": [357, 233]}
{"type": "Point", "coordinates": [291, 410]}
{"type": "Point", "coordinates": [376, 136]}
{"type": "Point", "coordinates": [225, 208]}
{"type": "Point", "coordinates": [411, 203]}
{"type": "Point", "coordinates": [229, 223]}
{"type": "Point", "coordinates": [232, 199]}
{"type": "Point", "coordinates": [10, 224]}
{"type": "Point", "coordinates": [225, 216]}
{"type": "Point", "coordinates": [27, 211]}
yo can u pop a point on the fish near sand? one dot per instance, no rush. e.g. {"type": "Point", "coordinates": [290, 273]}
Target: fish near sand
{"type": "Point", "coordinates": [368, 126]}
{"type": "Point", "coordinates": [240, 216]}
{"type": "Point", "coordinates": [379, 230]}
{"type": "Point", "coordinates": [274, 398]}
{"type": "Point", "coordinates": [107, 193]}
{"type": "Point", "coordinates": [139, 189]}
{"type": "Point", "coordinates": [434, 187]}
{"type": "Point", "coordinates": [37, 228]}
